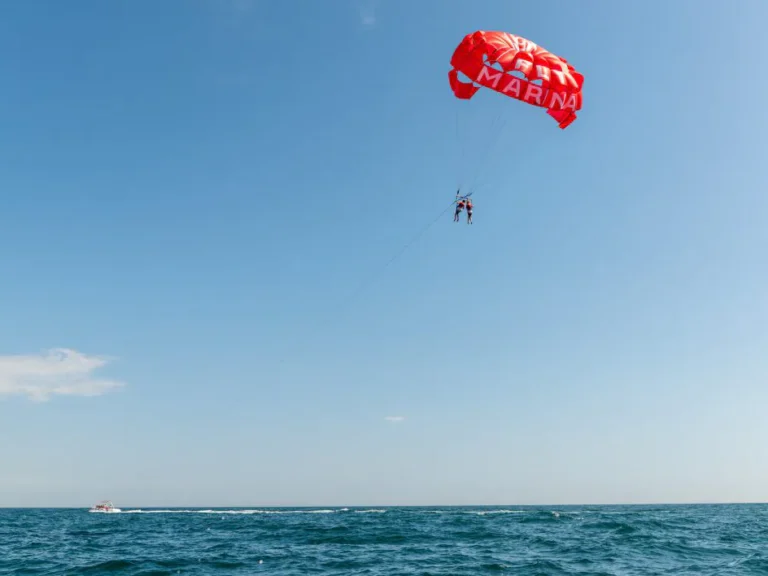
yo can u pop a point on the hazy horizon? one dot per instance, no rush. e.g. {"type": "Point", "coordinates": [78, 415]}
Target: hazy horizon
{"type": "Point", "coordinates": [381, 506]}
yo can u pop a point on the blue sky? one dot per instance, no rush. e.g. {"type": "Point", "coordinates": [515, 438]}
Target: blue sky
{"type": "Point", "coordinates": [193, 190]}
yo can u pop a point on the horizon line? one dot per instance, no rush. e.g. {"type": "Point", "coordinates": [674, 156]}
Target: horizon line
{"type": "Point", "coordinates": [378, 506]}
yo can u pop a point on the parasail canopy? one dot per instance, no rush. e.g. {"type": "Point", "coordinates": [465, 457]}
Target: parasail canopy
{"type": "Point", "coordinates": [517, 68]}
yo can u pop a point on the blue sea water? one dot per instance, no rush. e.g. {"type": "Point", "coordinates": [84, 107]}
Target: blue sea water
{"type": "Point", "coordinates": [519, 540]}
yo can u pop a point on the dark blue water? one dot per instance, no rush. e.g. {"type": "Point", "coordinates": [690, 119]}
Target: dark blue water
{"type": "Point", "coordinates": [621, 540]}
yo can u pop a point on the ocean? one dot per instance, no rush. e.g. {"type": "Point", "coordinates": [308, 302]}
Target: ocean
{"type": "Point", "coordinates": [521, 540]}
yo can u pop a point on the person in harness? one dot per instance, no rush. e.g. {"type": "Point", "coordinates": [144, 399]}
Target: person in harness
{"type": "Point", "coordinates": [460, 204]}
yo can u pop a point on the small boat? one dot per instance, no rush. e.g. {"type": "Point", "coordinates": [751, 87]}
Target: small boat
{"type": "Point", "coordinates": [105, 507]}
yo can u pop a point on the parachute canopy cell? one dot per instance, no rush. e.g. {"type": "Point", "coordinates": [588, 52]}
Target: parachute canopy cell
{"type": "Point", "coordinates": [517, 68]}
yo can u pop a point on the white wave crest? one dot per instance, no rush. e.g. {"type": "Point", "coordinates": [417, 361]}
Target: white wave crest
{"type": "Point", "coordinates": [486, 512]}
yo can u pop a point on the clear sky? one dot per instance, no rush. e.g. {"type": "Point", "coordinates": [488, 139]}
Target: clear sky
{"type": "Point", "coordinates": [193, 191]}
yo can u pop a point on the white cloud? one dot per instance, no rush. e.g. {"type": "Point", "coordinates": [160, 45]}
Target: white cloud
{"type": "Point", "coordinates": [368, 13]}
{"type": "Point", "coordinates": [59, 371]}
{"type": "Point", "coordinates": [394, 418]}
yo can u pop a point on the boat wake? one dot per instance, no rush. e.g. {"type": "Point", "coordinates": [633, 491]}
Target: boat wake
{"type": "Point", "coordinates": [247, 511]}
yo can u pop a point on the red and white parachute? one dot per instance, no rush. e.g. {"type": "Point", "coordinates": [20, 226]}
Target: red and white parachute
{"type": "Point", "coordinates": [510, 66]}
{"type": "Point", "coordinates": [518, 68]}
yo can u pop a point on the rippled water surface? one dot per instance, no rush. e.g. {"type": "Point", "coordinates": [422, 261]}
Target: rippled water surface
{"type": "Point", "coordinates": [701, 540]}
